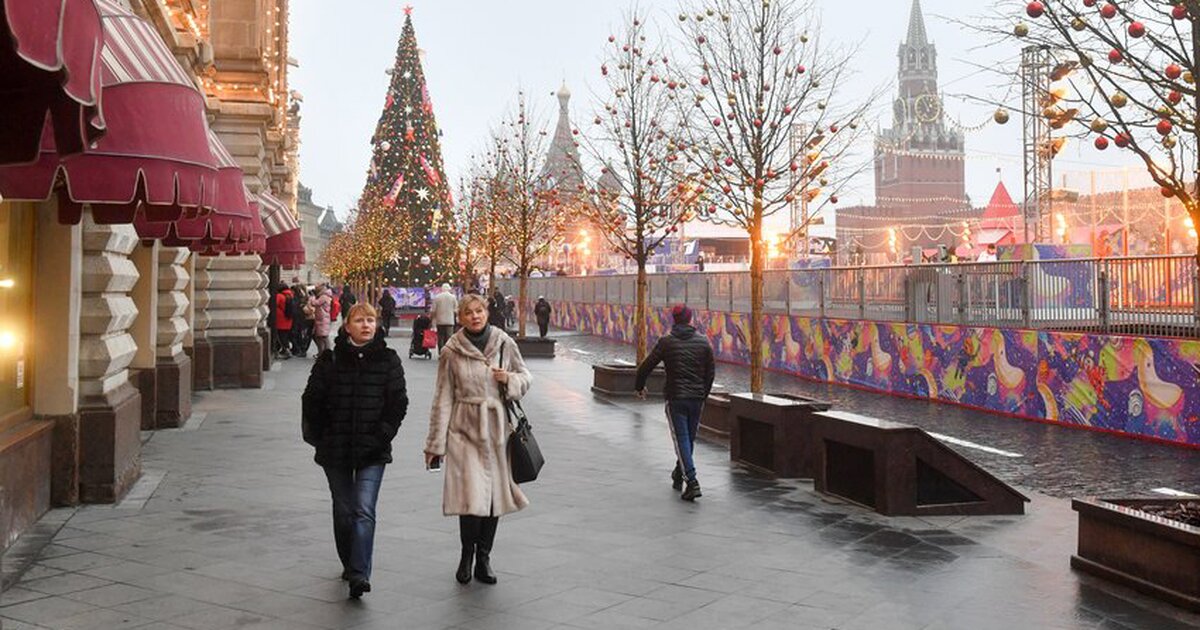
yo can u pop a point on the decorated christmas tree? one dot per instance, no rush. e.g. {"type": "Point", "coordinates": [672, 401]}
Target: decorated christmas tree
{"type": "Point", "coordinates": [406, 191]}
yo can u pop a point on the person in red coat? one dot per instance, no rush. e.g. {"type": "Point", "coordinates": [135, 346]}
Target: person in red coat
{"type": "Point", "coordinates": [283, 321]}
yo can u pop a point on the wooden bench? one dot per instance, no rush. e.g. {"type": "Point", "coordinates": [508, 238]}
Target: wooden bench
{"type": "Point", "coordinates": [773, 433]}
{"type": "Point", "coordinates": [900, 470]}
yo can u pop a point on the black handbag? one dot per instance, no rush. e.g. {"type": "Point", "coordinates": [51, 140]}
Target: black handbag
{"type": "Point", "coordinates": [524, 454]}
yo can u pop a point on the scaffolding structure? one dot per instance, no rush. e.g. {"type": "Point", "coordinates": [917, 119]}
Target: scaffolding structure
{"type": "Point", "coordinates": [1036, 62]}
{"type": "Point", "coordinates": [798, 225]}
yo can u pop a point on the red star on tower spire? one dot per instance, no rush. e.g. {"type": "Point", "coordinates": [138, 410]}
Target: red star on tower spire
{"type": "Point", "coordinates": [408, 9]}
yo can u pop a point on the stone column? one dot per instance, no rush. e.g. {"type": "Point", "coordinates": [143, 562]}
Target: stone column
{"type": "Point", "coordinates": [230, 303]}
{"type": "Point", "coordinates": [173, 367]}
{"type": "Point", "coordinates": [143, 371]}
{"type": "Point", "coordinates": [55, 336]}
{"type": "Point", "coordinates": [110, 406]}
{"type": "Point", "coordinates": [202, 365]}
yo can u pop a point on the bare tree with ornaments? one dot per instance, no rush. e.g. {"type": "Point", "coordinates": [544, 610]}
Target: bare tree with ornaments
{"type": "Point", "coordinates": [762, 126]}
{"type": "Point", "coordinates": [1124, 75]}
{"type": "Point", "coordinates": [492, 193]}
{"type": "Point", "coordinates": [469, 224]}
{"type": "Point", "coordinates": [641, 195]}
{"type": "Point", "coordinates": [530, 213]}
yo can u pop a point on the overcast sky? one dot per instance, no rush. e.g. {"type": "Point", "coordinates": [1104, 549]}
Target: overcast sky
{"type": "Point", "coordinates": [478, 53]}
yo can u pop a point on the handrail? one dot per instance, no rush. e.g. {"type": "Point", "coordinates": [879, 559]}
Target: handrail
{"type": "Point", "coordinates": [1135, 294]}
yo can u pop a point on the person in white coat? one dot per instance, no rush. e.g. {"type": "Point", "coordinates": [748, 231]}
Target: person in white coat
{"type": "Point", "coordinates": [444, 314]}
{"type": "Point", "coordinates": [469, 430]}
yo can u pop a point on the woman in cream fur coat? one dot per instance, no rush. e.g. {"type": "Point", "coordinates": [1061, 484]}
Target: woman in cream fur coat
{"type": "Point", "coordinates": [468, 433]}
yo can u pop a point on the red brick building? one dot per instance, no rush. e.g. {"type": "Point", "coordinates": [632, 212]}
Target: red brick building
{"type": "Point", "coordinates": [920, 197]}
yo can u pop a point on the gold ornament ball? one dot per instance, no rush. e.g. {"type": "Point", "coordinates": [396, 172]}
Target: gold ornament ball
{"type": "Point", "coordinates": [1021, 30]}
{"type": "Point", "coordinates": [1001, 117]}
{"type": "Point", "coordinates": [1099, 125]}
{"type": "Point", "coordinates": [1078, 24]}
{"type": "Point", "coordinates": [1169, 142]}
{"type": "Point", "coordinates": [1118, 100]}
{"type": "Point", "coordinates": [1188, 78]}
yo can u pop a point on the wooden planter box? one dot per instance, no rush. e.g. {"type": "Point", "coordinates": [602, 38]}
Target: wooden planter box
{"type": "Point", "coordinates": [535, 347]}
{"type": "Point", "coordinates": [773, 433]}
{"type": "Point", "coordinates": [1154, 555]}
{"type": "Point", "coordinates": [617, 379]}
{"type": "Point", "coordinates": [715, 419]}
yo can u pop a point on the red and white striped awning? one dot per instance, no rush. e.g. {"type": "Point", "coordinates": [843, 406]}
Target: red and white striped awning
{"type": "Point", "coordinates": [49, 65]}
{"type": "Point", "coordinates": [155, 157]}
{"type": "Point", "coordinates": [285, 245]}
{"type": "Point", "coordinates": [229, 222]}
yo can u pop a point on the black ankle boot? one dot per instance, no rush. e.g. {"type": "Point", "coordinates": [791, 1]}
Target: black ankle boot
{"type": "Point", "coordinates": [358, 586]}
{"type": "Point", "coordinates": [483, 566]}
{"type": "Point", "coordinates": [692, 492]}
{"type": "Point", "coordinates": [677, 478]}
{"type": "Point", "coordinates": [463, 575]}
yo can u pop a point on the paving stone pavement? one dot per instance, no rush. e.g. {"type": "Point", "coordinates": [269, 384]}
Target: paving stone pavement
{"type": "Point", "coordinates": [1059, 461]}
{"type": "Point", "coordinates": [230, 528]}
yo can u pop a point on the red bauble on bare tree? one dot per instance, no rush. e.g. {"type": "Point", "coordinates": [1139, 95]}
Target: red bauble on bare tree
{"type": "Point", "coordinates": [1035, 9]}
{"type": "Point", "coordinates": [1108, 11]}
{"type": "Point", "coordinates": [1101, 143]}
{"type": "Point", "coordinates": [1137, 29]}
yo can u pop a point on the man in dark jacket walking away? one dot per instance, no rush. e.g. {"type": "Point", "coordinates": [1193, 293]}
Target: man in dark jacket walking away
{"type": "Point", "coordinates": [496, 310]}
{"type": "Point", "coordinates": [387, 309]}
{"type": "Point", "coordinates": [691, 368]}
{"type": "Point", "coordinates": [347, 299]}
{"type": "Point", "coordinates": [353, 405]}
{"type": "Point", "coordinates": [542, 311]}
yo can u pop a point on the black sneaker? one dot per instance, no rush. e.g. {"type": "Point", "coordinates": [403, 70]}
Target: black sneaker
{"type": "Point", "coordinates": [358, 586]}
{"type": "Point", "coordinates": [692, 492]}
{"type": "Point", "coordinates": [677, 478]}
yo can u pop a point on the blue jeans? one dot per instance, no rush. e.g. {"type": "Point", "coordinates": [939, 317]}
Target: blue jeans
{"type": "Point", "coordinates": [684, 415]}
{"type": "Point", "coordinates": [354, 495]}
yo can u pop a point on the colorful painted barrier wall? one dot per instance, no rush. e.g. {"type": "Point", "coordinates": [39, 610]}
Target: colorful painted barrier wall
{"type": "Point", "coordinates": [1142, 386]}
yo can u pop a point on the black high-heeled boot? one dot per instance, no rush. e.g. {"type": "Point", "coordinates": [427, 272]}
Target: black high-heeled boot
{"type": "Point", "coordinates": [483, 565]}
{"type": "Point", "coordinates": [483, 549]}
{"type": "Point", "coordinates": [469, 530]}
{"type": "Point", "coordinates": [463, 575]}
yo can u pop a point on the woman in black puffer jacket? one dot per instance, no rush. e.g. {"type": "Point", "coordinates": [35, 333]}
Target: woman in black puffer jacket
{"type": "Point", "coordinates": [353, 406]}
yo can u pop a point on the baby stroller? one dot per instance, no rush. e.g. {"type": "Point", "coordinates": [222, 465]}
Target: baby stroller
{"type": "Point", "coordinates": [424, 338]}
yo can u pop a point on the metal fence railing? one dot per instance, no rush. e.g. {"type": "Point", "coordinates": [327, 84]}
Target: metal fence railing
{"type": "Point", "coordinates": [1150, 295]}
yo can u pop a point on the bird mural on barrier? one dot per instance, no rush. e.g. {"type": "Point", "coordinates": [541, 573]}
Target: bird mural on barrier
{"type": "Point", "coordinates": [1161, 401]}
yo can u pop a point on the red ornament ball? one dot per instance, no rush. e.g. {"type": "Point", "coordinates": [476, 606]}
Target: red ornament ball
{"type": "Point", "coordinates": [833, 199]}
{"type": "Point", "coordinates": [1137, 29]}
{"type": "Point", "coordinates": [1089, 3]}
{"type": "Point", "coordinates": [701, 39]}
{"type": "Point", "coordinates": [1108, 11]}
{"type": "Point", "coordinates": [1114, 56]}
{"type": "Point", "coordinates": [716, 122]}
{"type": "Point", "coordinates": [1164, 127]}
{"type": "Point", "coordinates": [1179, 12]}
{"type": "Point", "coordinates": [703, 80]}
{"type": "Point", "coordinates": [613, 38]}
{"type": "Point", "coordinates": [1173, 71]}
{"type": "Point", "coordinates": [1121, 140]}
{"type": "Point", "coordinates": [1101, 143]}
{"type": "Point", "coordinates": [778, 50]}
{"type": "Point", "coordinates": [1174, 97]}
{"type": "Point", "coordinates": [728, 161]}
{"type": "Point", "coordinates": [800, 69]}
{"type": "Point", "coordinates": [1035, 9]}
{"type": "Point", "coordinates": [1166, 192]}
